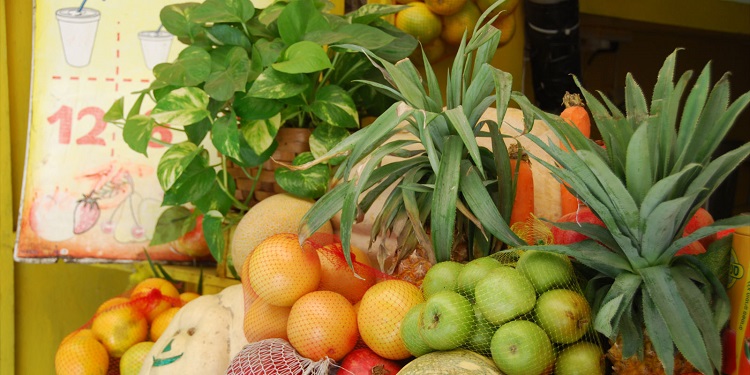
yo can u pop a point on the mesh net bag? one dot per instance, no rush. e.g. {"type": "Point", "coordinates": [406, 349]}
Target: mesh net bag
{"type": "Point", "coordinates": [119, 324]}
{"type": "Point", "coordinates": [522, 310]}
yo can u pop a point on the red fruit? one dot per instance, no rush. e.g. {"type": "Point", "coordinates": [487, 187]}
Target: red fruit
{"type": "Point", "coordinates": [85, 214]}
{"type": "Point", "coordinates": [694, 248]}
{"type": "Point", "coordinates": [364, 361]}
{"type": "Point", "coordinates": [701, 219]}
{"type": "Point", "coordinates": [724, 233]}
{"type": "Point", "coordinates": [583, 215]}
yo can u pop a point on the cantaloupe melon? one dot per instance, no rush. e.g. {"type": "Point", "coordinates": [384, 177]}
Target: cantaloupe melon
{"type": "Point", "coordinates": [454, 362]}
{"type": "Point", "coordinates": [279, 213]}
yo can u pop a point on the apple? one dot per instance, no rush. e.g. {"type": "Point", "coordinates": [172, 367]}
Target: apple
{"type": "Point", "coordinates": [409, 330]}
{"type": "Point", "coordinates": [546, 270]}
{"type": "Point", "coordinates": [364, 361]}
{"type": "Point", "coordinates": [580, 358]}
{"type": "Point", "coordinates": [503, 295]}
{"type": "Point", "coordinates": [192, 243]}
{"type": "Point", "coordinates": [441, 276]}
{"type": "Point", "coordinates": [480, 338]}
{"type": "Point", "coordinates": [446, 321]}
{"type": "Point", "coordinates": [474, 271]}
{"type": "Point", "coordinates": [521, 347]}
{"type": "Point", "coordinates": [583, 215]}
{"type": "Point", "coordinates": [564, 314]}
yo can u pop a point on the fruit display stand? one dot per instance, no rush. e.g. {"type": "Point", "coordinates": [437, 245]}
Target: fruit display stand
{"type": "Point", "coordinates": [28, 292]}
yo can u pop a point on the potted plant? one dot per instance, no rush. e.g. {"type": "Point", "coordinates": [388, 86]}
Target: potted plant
{"type": "Point", "coordinates": [663, 312]}
{"type": "Point", "coordinates": [451, 192]}
{"type": "Point", "coordinates": [245, 74]}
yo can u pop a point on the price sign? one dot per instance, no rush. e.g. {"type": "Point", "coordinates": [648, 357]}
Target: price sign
{"type": "Point", "coordinates": [87, 195]}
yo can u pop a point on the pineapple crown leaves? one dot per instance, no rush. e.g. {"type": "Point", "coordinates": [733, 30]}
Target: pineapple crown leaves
{"type": "Point", "coordinates": [448, 179]}
{"type": "Point", "coordinates": [656, 171]}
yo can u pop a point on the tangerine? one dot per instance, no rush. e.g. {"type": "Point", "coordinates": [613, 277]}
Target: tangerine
{"type": "Point", "coordinates": [507, 27]}
{"type": "Point", "coordinates": [337, 276]}
{"type": "Point", "coordinates": [119, 329]}
{"type": "Point", "coordinates": [456, 24]}
{"type": "Point", "coordinates": [161, 322]}
{"type": "Point", "coordinates": [313, 330]}
{"type": "Point", "coordinates": [281, 271]}
{"type": "Point", "coordinates": [444, 7]}
{"type": "Point", "coordinates": [81, 353]}
{"type": "Point", "coordinates": [112, 303]}
{"type": "Point", "coordinates": [132, 361]}
{"type": "Point", "coordinates": [418, 21]}
{"type": "Point", "coordinates": [186, 297]}
{"type": "Point", "coordinates": [381, 311]}
{"type": "Point", "coordinates": [265, 321]}
{"type": "Point", "coordinates": [154, 296]}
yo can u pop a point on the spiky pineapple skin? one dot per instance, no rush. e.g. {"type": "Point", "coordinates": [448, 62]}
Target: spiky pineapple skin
{"type": "Point", "coordinates": [648, 365]}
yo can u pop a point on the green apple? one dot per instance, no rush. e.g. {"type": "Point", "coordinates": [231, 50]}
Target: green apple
{"type": "Point", "coordinates": [521, 347]}
{"type": "Point", "coordinates": [581, 358]}
{"type": "Point", "coordinates": [564, 314]}
{"type": "Point", "coordinates": [481, 335]}
{"type": "Point", "coordinates": [474, 271]}
{"type": "Point", "coordinates": [546, 270]}
{"type": "Point", "coordinates": [441, 276]}
{"type": "Point", "coordinates": [410, 332]}
{"type": "Point", "coordinates": [503, 295]}
{"type": "Point", "coordinates": [446, 321]}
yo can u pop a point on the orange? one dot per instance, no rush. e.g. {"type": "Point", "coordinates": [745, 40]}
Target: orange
{"type": "Point", "coordinates": [265, 321]}
{"type": "Point", "coordinates": [119, 329]}
{"type": "Point", "coordinates": [381, 311]}
{"type": "Point", "coordinates": [112, 303]}
{"type": "Point", "coordinates": [418, 21]}
{"type": "Point", "coordinates": [455, 25]}
{"type": "Point", "coordinates": [444, 7]}
{"type": "Point", "coordinates": [132, 361]}
{"type": "Point", "coordinates": [323, 324]}
{"type": "Point", "coordinates": [434, 51]}
{"type": "Point", "coordinates": [248, 294]}
{"type": "Point", "coordinates": [79, 332]}
{"type": "Point", "coordinates": [281, 271]}
{"type": "Point", "coordinates": [507, 27]}
{"type": "Point", "coordinates": [154, 296]}
{"type": "Point", "coordinates": [507, 7]}
{"type": "Point", "coordinates": [336, 276]}
{"type": "Point", "coordinates": [161, 322]}
{"type": "Point", "coordinates": [188, 296]}
{"type": "Point", "coordinates": [81, 354]}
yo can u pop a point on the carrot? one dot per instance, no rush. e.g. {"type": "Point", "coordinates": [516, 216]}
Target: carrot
{"type": "Point", "coordinates": [576, 115]}
{"type": "Point", "coordinates": [523, 202]}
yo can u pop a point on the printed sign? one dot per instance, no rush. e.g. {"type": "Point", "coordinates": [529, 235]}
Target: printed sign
{"type": "Point", "coordinates": [87, 195]}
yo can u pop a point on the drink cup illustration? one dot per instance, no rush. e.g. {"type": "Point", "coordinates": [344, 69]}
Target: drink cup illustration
{"type": "Point", "coordinates": [78, 32]}
{"type": "Point", "coordinates": [155, 46]}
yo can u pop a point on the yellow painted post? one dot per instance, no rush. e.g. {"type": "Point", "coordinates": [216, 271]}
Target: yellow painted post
{"type": "Point", "coordinates": [7, 298]}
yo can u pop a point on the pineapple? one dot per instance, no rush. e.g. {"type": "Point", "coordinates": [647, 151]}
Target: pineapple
{"type": "Point", "coordinates": [448, 195]}
{"type": "Point", "coordinates": [655, 172]}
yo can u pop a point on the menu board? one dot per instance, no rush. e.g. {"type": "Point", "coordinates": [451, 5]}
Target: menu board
{"type": "Point", "coordinates": [87, 196]}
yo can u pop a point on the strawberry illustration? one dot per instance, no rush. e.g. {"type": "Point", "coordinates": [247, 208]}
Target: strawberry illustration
{"type": "Point", "coordinates": [85, 214]}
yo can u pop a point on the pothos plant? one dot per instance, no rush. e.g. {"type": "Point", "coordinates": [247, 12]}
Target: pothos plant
{"type": "Point", "coordinates": [244, 74]}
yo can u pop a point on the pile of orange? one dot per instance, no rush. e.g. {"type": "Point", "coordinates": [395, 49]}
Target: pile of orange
{"type": "Point", "coordinates": [122, 330]}
{"type": "Point", "coordinates": [441, 24]}
{"type": "Point", "coordinates": [308, 296]}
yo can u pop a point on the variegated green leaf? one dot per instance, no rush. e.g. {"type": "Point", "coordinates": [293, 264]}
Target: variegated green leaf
{"type": "Point", "coordinates": [192, 67]}
{"type": "Point", "coordinates": [303, 57]}
{"type": "Point", "coordinates": [215, 11]}
{"type": "Point", "coordinates": [225, 136]}
{"type": "Point", "coordinates": [174, 161]}
{"type": "Point", "coordinates": [272, 84]}
{"type": "Point", "coordinates": [172, 223]}
{"type": "Point", "coordinates": [228, 76]}
{"type": "Point", "coordinates": [260, 134]}
{"type": "Point", "coordinates": [335, 107]}
{"type": "Point", "coordinates": [307, 183]}
{"type": "Point", "coordinates": [137, 132]}
{"type": "Point", "coordinates": [324, 138]}
{"type": "Point", "coordinates": [181, 107]}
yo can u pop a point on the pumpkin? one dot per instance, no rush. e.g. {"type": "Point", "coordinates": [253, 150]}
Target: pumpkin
{"type": "Point", "coordinates": [202, 338]}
